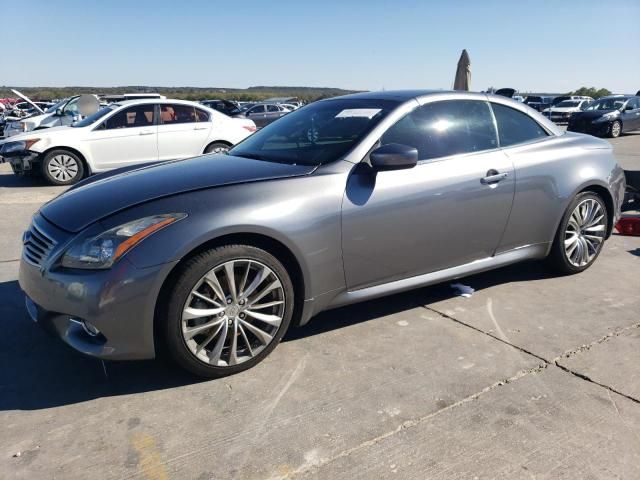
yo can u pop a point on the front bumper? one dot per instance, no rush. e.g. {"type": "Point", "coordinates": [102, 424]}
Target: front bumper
{"type": "Point", "coordinates": [119, 302]}
{"type": "Point", "coordinates": [559, 117]}
{"type": "Point", "coordinates": [22, 163]}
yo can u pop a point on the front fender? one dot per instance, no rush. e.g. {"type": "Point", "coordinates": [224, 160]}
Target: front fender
{"type": "Point", "coordinates": [302, 214]}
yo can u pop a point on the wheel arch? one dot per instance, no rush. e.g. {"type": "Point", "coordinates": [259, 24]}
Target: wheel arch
{"type": "Point", "coordinates": [226, 142]}
{"type": "Point", "coordinates": [605, 194]}
{"type": "Point", "coordinates": [81, 156]}
{"type": "Point", "coordinates": [259, 240]}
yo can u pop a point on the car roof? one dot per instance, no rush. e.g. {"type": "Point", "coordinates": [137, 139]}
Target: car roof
{"type": "Point", "coordinates": [144, 101]}
{"type": "Point", "coordinates": [399, 95]}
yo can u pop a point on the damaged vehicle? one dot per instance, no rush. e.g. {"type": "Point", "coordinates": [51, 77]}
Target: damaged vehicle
{"type": "Point", "coordinates": [121, 135]}
{"type": "Point", "coordinates": [213, 258]}
{"type": "Point", "coordinates": [65, 112]}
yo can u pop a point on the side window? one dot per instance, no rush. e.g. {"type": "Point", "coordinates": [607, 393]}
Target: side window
{"type": "Point", "coordinates": [201, 115]}
{"type": "Point", "coordinates": [137, 116]}
{"type": "Point", "coordinates": [257, 109]}
{"type": "Point", "coordinates": [515, 127]}
{"type": "Point", "coordinates": [272, 108]}
{"type": "Point", "coordinates": [635, 103]}
{"type": "Point", "coordinates": [450, 127]}
{"type": "Point", "coordinates": [175, 113]}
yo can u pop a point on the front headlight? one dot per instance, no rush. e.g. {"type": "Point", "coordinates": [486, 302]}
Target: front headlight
{"type": "Point", "coordinates": [104, 250]}
{"type": "Point", "coordinates": [607, 117]}
{"type": "Point", "coordinates": [20, 146]}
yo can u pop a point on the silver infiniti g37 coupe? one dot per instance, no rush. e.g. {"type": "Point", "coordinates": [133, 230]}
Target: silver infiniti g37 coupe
{"type": "Point", "coordinates": [347, 199]}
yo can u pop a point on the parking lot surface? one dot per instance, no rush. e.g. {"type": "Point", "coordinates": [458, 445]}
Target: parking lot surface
{"type": "Point", "coordinates": [533, 376]}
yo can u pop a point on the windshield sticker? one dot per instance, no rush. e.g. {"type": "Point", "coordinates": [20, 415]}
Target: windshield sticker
{"type": "Point", "coordinates": [358, 112]}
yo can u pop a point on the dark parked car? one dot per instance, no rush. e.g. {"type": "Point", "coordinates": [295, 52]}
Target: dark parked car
{"type": "Point", "coordinates": [538, 103]}
{"type": "Point", "coordinates": [608, 116]}
{"type": "Point", "coordinates": [344, 200]}
{"type": "Point", "coordinates": [223, 106]}
{"type": "Point", "coordinates": [264, 113]}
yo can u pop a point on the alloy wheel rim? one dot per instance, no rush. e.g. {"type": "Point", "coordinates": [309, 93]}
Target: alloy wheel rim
{"type": "Point", "coordinates": [220, 150]}
{"type": "Point", "coordinates": [585, 232]}
{"type": "Point", "coordinates": [63, 167]}
{"type": "Point", "coordinates": [233, 312]}
{"type": "Point", "coordinates": [615, 129]}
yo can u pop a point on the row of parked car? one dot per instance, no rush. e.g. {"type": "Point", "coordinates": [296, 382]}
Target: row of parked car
{"type": "Point", "coordinates": [608, 116]}
{"type": "Point", "coordinates": [262, 113]}
{"type": "Point", "coordinates": [64, 143]}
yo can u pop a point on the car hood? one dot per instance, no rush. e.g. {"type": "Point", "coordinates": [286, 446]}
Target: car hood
{"type": "Point", "coordinates": [593, 114]}
{"type": "Point", "coordinates": [41, 134]}
{"type": "Point", "coordinates": [98, 198]}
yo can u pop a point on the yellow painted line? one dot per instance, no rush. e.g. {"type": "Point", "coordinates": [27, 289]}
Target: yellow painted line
{"type": "Point", "coordinates": [149, 462]}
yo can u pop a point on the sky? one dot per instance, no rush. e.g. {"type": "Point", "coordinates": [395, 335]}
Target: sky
{"type": "Point", "coordinates": [543, 46]}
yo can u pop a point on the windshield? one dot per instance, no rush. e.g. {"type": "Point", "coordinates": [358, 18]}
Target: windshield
{"type": "Point", "coordinates": [607, 104]}
{"type": "Point", "coordinates": [95, 117]}
{"type": "Point", "coordinates": [319, 133]}
{"type": "Point", "coordinates": [568, 103]}
{"type": "Point", "coordinates": [53, 108]}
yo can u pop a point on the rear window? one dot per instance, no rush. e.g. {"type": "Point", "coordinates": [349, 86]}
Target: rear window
{"type": "Point", "coordinates": [515, 127]}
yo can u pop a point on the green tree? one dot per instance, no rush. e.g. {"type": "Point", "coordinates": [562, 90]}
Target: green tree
{"type": "Point", "coordinates": [591, 92]}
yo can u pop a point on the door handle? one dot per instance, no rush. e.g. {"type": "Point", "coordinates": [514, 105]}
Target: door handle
{"type": "Point", "coordinates": [493, 176]}
{"type": "Point", "coordinates": [146, 132]}
{"type": "Point", "coordinates": [200, 128]}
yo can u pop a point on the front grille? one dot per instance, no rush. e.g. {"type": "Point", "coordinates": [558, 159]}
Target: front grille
{"type": "Point", "coordinates": [37, 245]}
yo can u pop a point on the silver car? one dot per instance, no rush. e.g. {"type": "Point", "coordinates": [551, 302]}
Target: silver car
{"type": "Point", "coordinates": [347, 199]}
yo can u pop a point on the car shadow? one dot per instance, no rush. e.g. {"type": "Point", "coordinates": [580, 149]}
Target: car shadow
{"type": "Point", "coordinates": [372, 309]}
{"type": "Point", "coordinates": [10, 180]}
{"type": "Point", "coordinates": [38, 371]}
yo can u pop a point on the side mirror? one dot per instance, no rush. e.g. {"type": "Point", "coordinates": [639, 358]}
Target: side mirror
{"type": "Point", "coordinates": [628, 108]}
{"type": "Point", "coordinates": [394, 156]}
{"type": "Point", "coordinates": [59, 112]}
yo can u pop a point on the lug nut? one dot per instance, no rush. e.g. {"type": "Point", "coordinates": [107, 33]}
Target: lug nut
{"type": "Point", "coordinates": [228, 301]}
{"type": "Point", "coordinates": [242, 315]}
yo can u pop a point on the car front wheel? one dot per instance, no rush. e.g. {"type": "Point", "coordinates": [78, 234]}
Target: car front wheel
{"type": "Point", "coordinates": [228, 309]}
{"type": "Point", "coordinates": [62, 167]}
{"type": "Point", "coordinates": [616, 129]}
{"type": "Point", "coordinates": [581, 234]}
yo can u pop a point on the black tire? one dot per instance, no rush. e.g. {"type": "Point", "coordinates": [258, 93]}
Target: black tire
{"type": "Point", "coordinates": [557, 259]}
{"type": "Point", "coordinates": [74, 167]}
{"type": "Point", "coordinates": [217, 147]}
{"type": "Point", "coordinates": [616, 129]}
{"type": "Point", "coordinates": [178, 293]}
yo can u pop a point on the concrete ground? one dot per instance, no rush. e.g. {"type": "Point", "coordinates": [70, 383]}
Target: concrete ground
{"type": "Point", "coordinates": [534, 376]}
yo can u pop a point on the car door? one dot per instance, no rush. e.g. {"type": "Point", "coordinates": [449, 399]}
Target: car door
{"type": "Point", "coordinates": [258, 114]}
{"type": "Point", "coordinates": [273, 113]}
{"type": "Point", "coordinates": [127, 137]}
{"type": "Point", "coordinates": [631, 115]}
{"type": "Point", "coordinates": [450, 209]}
{"type": "Point", "coordinates": [180, 135]}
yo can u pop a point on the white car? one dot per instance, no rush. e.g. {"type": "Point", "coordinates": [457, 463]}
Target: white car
{"type": "Point", "coordinates": [561, 113]}
{"type": "Point", "coordinates": [124, 134]}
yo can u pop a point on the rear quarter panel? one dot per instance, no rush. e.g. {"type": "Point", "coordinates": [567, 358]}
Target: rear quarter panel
{"type": "Point", "coordinates": [548, 176]}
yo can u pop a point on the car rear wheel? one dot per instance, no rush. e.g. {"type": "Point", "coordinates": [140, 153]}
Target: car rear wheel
{"type": "Point", "coordinates": [616, 129]}
{"type": "Point", "coordinates": [62, 167]}
{"type": "Point", "coordinates": [581, 234]}
{"type": "Point", "coordinates": [217, 147]}
{"type": "Point", "coordinates": [228, 309]}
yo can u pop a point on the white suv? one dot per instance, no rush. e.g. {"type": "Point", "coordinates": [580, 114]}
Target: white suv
{"type": "Point", "coordinates": [123, 134]}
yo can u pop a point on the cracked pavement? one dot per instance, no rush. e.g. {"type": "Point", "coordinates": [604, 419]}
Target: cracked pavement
{"type": "Point", "coordinates": [534, 376]}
